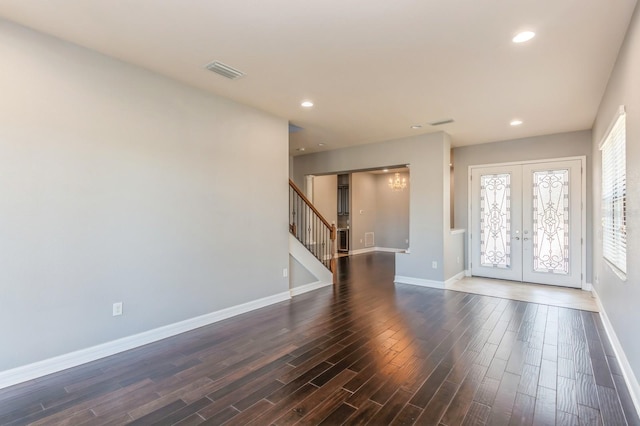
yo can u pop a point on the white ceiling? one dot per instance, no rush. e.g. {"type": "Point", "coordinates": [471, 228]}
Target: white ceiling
{"type": "Point", "coordinates": [373, 68]}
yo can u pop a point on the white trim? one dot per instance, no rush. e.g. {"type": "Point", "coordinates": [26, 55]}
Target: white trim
{"type": "Point", "coordinates": [372, 249]}
{"type": "Point", "coordinates": [629, 378]}
{"type": "Point", "coordinates": [295, 291]}
{"type": "Point", "coordinates": [621, 111]}
{"type": "Point", "coordinates": [399, 279]}
{"type": "Point", "coordinates": [458, 231]}
{"type": "Point", "coordinates": [517, 163]}
{"type": "Point", "coordinates": [362, 251]}
{"type": "Point", "coordinates": [587, 286]}
{"type": "Point", "coordinates": [83, 356]}
{"type": "Point", "coordinates": [622, 276]}
{"type": "Point", "coordinates": [467, 273]}
{"type": "Point", "coordinates": [457, 277]}
{"type": "Point", "coordinates": [390, 250]}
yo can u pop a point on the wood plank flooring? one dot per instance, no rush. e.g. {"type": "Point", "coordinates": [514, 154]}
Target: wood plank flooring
{"type": "Point", "coordinates": [363, 352]}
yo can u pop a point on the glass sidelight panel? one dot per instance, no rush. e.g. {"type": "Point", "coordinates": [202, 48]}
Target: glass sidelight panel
{"type": "Point", "coordinates": [551, 221]}
{"type": "Point", "coordinates": [495, 220]}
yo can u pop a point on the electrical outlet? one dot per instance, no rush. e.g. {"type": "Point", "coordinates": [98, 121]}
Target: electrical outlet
{"type": "Point", "coordinates": [406, 241]}
{"type": "Point", "coordinates": [360, 240]}
{"type": "Point", "coordinates": [434, 264]}
{"type": "Point", "coordinates": [285, 272]}
{"type": "Point", "coordinates": [458, 260]}
{"type": "Point", "coordinates": [117, 309]}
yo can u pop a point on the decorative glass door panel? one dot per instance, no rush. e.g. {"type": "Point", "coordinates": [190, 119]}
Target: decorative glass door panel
{"type": "Point", "coordinates": [526, 222]}
{"type": "Point", "coordinates": [495, 220]}
{"type": "Point", "coordinates": [551, 221]}
{"type": "Point", "coordinates": [496, 254]}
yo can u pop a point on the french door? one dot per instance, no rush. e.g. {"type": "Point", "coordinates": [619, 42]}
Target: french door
{"type": "Point", "coordinates": [526, 222]}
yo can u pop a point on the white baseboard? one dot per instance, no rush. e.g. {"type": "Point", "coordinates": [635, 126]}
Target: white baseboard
{"type": "Point", "coordinates": [467, 273]}
{"type": "Point", "coordinates": [390, 250]}
{"type": "Point", "coordinates": [295, 291]}
{"type": "Point", "coordinates": [399, 279]}
{"type": "Point", "coordinates": [372, 249]}
{"type": "Point", "coordinates": [587, 287]}
{"type": "Point", "coordinates": [73, 359]}
{"type": "Point", "coordinates": [460, 275]}
{"type": "Point", "coordinates": [362, 251]}
{"type": "Point", "coordinates": [629, 378]}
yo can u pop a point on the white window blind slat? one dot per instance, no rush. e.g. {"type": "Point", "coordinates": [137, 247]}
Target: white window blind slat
{"type": "Point", "coordinates": [614, 194]}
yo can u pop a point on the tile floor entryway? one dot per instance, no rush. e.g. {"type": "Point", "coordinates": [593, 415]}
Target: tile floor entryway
{"type": "Point", "coordinates": [535, 293]}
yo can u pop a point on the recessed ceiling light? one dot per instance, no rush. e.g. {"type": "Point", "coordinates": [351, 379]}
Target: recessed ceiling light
{"type": "Point", "coordinates": [300, 149]}
{"type": "Point", "coordinates": [523, 36]}
{"type": "Point", "coordinates": [417, 126]}
{"type": "Point", "coordinates": [516, 122]}
{"type": "Point", "coordinates": [385, 170]}
{"type": "Point", "coordinates": [321, 144]}
{"type": "Point", "coordinates": [306, 104]}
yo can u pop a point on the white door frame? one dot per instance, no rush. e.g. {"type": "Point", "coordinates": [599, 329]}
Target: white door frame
{"type": "Point", "coordinates": [583, 164]}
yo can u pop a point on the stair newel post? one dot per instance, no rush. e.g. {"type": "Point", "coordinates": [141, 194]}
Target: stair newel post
{"type": "Point", "coordinates": [333, 265]}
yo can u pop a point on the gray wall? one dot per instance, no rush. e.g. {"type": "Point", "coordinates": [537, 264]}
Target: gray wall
{"type": "Point", "coordinates": [121, 185]}
{"type": "Point", "coordinates": [535, 148]}
{"type": "Point", "coordinates": [620, 299]}
{"type": "Point", "coordinates": [392, 207]}
{"type": "Point", "coordinates": [363, 208]}
{"type": "Point", "coordinates": [429, 158]}
{"type": "Point", "coordinates": [454, 255]}
{"type": "Point", "coordinates": [298, 274]}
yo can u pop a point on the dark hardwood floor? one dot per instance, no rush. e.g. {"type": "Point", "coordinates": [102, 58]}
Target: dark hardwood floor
{"type": "Point", "coordinates": [363, 352]}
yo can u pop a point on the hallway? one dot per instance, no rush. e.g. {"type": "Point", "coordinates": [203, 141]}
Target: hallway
{"type": "Point", "coordinates": [364, 351]}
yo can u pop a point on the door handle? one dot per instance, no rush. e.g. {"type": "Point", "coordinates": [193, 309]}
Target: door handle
{"type": "Point", "coordinates": [517, 238]}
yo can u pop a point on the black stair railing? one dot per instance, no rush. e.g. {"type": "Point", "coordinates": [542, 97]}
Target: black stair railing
{"type": "Point", "coordinates": [311, 228]}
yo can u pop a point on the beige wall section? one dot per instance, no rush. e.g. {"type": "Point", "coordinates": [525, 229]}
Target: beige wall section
{"type": "Point", "coordinates": [620, 299]}
{"type": "Point", "coordinates": [122, 185]}
{"type": "Point", "coordinates": [427, 156]}
{"type": "Point", "coordinates": [363, 208]}
{"type": "Point", "coordinates": [392, 223]}
{"type": "Point", "coordinates": [559, 145]}
{"type": "Point", "coordinates": [325, 196]}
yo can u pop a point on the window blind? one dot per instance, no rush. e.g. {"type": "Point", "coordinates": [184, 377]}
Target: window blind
{"type": "Point", "coordinates": [614, 194]}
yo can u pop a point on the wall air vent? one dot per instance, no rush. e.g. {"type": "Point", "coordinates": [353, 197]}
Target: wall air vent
{"type": "Point", "coordinates": [369, 239]}
{"type": "Point", "coordinates": [441, 122]}
{"type": "Point", "coordinates": [224, 70]}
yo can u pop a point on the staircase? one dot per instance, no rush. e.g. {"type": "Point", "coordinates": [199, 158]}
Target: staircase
{"type": "Point", "coordinates": [311, 229]}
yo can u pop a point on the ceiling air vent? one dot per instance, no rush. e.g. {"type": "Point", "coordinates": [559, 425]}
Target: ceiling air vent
{"type": "Point", "coordinates": [441, 122]}
{"type": "Point", "coordinates": [224, 70]}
